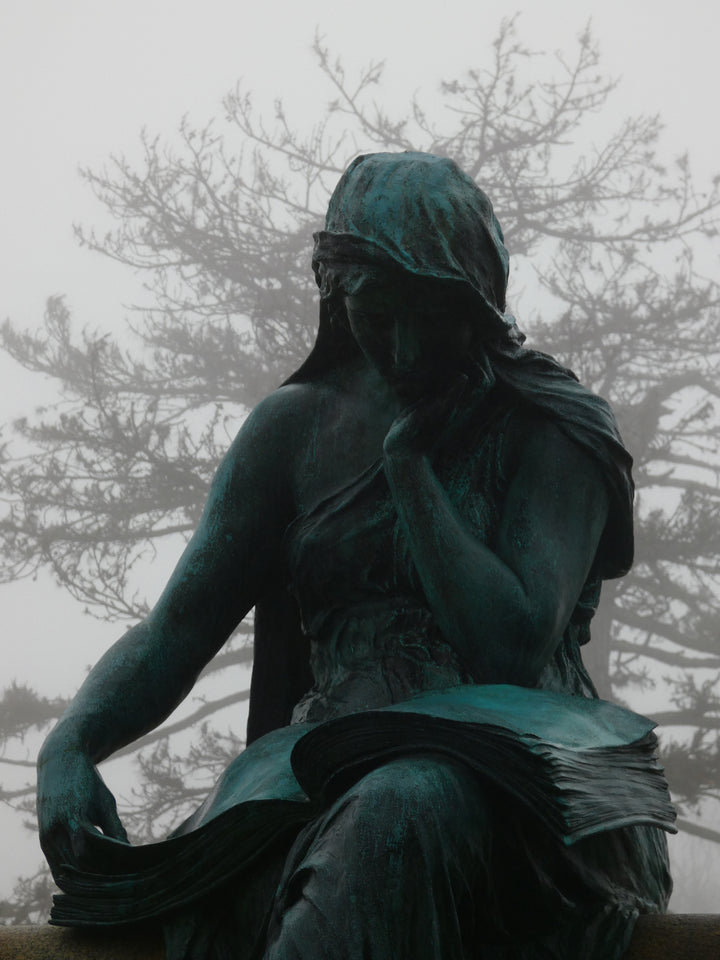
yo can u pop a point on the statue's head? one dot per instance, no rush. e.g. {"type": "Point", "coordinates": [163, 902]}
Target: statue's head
{"type": "Point", "coordinates": [416, 224]}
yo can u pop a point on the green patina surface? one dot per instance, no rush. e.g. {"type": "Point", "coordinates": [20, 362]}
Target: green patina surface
{"type": "Point", "coordinates": [422, 515]}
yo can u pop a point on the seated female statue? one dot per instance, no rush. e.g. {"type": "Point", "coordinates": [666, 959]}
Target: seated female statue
{"type": "Point", "coordinates": [425, 509]}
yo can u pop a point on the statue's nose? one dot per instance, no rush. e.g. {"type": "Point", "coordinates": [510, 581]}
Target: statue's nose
{"type": "Point", "coordinates": [406, 348]}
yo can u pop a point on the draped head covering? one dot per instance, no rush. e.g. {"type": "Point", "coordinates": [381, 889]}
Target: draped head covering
{"type": "Point", "coordinates": [423, 215]}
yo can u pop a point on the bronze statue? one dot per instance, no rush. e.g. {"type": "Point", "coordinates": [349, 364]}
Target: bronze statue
{"type": "Point", "coordinates": [422, 515]}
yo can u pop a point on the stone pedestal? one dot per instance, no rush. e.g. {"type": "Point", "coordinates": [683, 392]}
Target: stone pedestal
{"type": "Point", "coordinates": [688, 936]}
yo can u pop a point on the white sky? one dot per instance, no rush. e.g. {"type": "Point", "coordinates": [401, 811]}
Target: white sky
{"type": "Point", "coordinates": [80, 78]}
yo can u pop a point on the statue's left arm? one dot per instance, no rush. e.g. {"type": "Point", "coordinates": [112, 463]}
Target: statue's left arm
{"type": "Point", "coordinates": [503, 609]}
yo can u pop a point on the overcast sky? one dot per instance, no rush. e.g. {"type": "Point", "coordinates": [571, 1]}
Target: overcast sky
{"type": "Point", "coordinates": [80, 78]}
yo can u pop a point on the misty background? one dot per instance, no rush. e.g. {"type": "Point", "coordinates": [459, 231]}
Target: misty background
{"type": "Point", "coordinates": [78, 83]}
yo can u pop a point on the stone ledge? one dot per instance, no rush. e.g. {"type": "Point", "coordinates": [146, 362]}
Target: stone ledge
{"type": "Point", "coordinates": [60, 943]}
{"type": "Point", "coordinates": [676, 936]}
{"type": "Point", "coordinates": [682, 936]}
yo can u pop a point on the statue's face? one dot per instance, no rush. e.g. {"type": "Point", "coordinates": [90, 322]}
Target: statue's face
{"type": "Point", "coordinates": [412, 333]}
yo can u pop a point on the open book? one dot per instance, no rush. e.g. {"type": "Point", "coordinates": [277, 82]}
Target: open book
{"type": "Point", "coordinates": [578, 766]}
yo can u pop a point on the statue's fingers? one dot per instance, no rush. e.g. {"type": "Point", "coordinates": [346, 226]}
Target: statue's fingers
{"type": "Point", "coordinates": [105, 816]}
{"type": "Point", "coordinates": [111, 824]}
{"type": "Point", "coordinates": [58, 848]}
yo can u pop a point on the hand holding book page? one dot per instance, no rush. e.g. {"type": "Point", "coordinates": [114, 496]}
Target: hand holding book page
{"type": "Point", "coordinates": [422, 515]}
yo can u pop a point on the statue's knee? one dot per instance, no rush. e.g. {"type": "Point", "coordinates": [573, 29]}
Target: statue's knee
{"type": "Point", "coordinates": [420, 794]}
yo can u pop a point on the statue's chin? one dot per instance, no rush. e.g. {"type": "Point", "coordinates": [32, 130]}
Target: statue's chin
{"type": "Point", "coordinates": [415, 383]}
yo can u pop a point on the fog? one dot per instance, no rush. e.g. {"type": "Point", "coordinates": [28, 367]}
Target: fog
{"type": "Point", "coordinates": [79, 81]}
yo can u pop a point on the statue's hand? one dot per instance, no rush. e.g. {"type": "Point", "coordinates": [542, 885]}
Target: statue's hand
{"type": "Point", "coordinates": [72, 801]}
{"type": "Point", "coordinates": [424, 424]}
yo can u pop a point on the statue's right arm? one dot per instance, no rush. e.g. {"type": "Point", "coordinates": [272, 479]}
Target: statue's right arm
{"type": "Point", "coordinates": [146, 674]}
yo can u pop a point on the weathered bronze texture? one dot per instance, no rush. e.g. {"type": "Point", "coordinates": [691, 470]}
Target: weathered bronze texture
{"type": "Point", "coordinates": [422, 515]}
